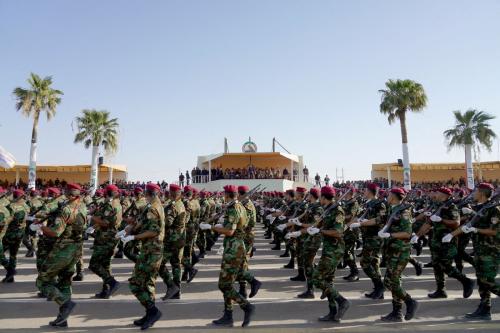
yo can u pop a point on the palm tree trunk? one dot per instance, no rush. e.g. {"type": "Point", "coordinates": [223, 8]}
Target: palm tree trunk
{"type": "Point", "coordinates": [468, 166]}
{"type": "Point", "coordinates": [406, 156]}
{"type": "Point", "coordinates": [33, 148]}
{"type": "Point", "coordinates": [94, 169]}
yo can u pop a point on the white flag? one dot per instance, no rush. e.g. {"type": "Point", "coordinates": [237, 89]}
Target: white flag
{"type": "Point", "coordinates": [7, 161]}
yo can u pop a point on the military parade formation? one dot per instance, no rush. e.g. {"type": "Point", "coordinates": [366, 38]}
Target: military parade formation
{"type": "Point", "coordinates": [167, 232]}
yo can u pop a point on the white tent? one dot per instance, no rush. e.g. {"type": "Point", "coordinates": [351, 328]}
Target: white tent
{"type": "Point", "coordinates": [7, 160]}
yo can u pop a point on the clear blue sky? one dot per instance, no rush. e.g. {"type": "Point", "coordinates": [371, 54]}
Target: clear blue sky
{"type": "Point", "coordinates": [182, 75]}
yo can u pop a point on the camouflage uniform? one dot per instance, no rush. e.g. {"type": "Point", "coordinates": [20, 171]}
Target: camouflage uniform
{"type": "Point", "coordinates": [131, 249]}
{"type": "Point", "coordinates": [147, 266]}
{"type": "Point", "coordinates": [311, 243]}
{"type": "Point", "coordinates": [105, 241]}
{"type": "Point", "coordinates": [5, 219]}
{"type": "Point", "coordinates": [487, 254]}
{"type": "Point", "coordinates": [174, 241]}
{"type": "Point", "coordinates": [45, 243]}
{"type": "Point", "coordinates": [54, 279]}
{"type": "Point", "coordinates": [201, 240]}
{"type": "Point", "coordinates": [30, 238]}
{"type": "Point", "coordinates": [397, 257]}
{"type": "Point", "coordinates": [351, 208]}
{"type": "Point", "coordinates": [15, 231]}
{"type": "Point", "coordinates": [443, 254]}
{"type": "Point", "coordinates": [192, 227]}
{"type": "Point", "coordinates": [249, 235]}
{"type": "Point", "coordinates": [333, 251]}
{"type": "Point", "coordinates": [233, 258]}
{"type": "Point", "coordinates": [372, 243]}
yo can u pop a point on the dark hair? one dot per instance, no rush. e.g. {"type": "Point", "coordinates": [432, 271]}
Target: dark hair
{"type": "Point", "coordinates": [327, 196]}
{"type": "Point", "coordinates": [314, 195]}
{"type": "Point", "coordinates": [486, 191]}
{"type": "Point", "coordinates": [397, 195]}
{"type": "Point", "coordinates": [242, 192]}
{"type": "Point", "coordinates": [231, 195]}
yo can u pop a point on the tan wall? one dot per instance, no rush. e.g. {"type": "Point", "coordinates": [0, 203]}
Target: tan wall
{"type": "Point", "coordinates": [70, 177]}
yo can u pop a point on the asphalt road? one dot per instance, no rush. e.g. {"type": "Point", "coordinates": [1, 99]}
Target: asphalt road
{"type": "Point", "coordinates": [277, 308]}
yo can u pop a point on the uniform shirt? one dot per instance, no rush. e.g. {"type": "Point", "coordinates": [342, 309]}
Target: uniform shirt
{"type": "Point", "coordinates": [204, 210]}
{"type": "Point", "coordinates": [251, 213]}
{"type": "Point", "coordinates": [235, 219]}
{"type": "Point", "coordinates": [35, 204]}
{"type": "Point", "coordinates": [334, 220]}
{"type": "Point", "coordinates": [153, 220]}
{"type": "Point", "coordinates": [376, 209]}
{"type": "Point", "coordinates": [19, 211]}
{"type": "Point", "coordinates": [69, 224]}
{"type": "Point", "coordinates": [487, 245]}
{"type": "Point", "coordinates": [400, 223]}
{"type": "Point", "coordinates": [439, 229]}
{"type": "Point", "coordinates": [194, 205]}
{"type": "Point", "coordinates": [175, 221]}
{"type": "Point", "coordinates": [111, 213]}
{"type": "Point", "coordinates": [5, 219]}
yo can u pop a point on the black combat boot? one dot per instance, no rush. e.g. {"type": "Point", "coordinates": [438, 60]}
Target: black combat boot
{"type": "Point", "coordinates": [331, 315]}
{"type": "Point", "coordinates": [254, 287]}
{"type": "Point", "coordinates": [172, 291]}
{"type": "Point", "coordinates": [353, 276]}
{"type": "Point", "coordinates": [249, 311]}
{"type": "Point", "coordinates": [152, 316]}
{"type": "Point", "coordinates": [119, 254]}
{"type": "Point", "coordinates": [202, 254]}
{"type": "Point", "coordinates": [103, 292]}
{"type": "Point", "coordinates": [184, 275]}
{"type": "Point", "coordinates": [64, 312]}
{"type": "Point", "coordinates": [141, 321]}
{"type": "Point", "coordinates": [411, 307]}
{"type": "Point", "coordinates": [191, 274]}
{"type": "Point", "coordinates": [378, 293]}
{"type": "Point", "coordinates": [226, 320]}
{"type": "Point", "coordinates": [418, 267]}
{"type": "Point", "coordinates": [428, 265]}
{"type": "Point", "coordinates": [343, 305]}
{"type": "Point", "coordinates": [300, 277]}
{"type": "Point", "coordinates": [9, 277]}
{"type": "Point", "coordinates": [78, 276]}
{"type": "Point", "coordinates": [395, 316]}
{"type": "Point", "coordinates": [254, 250]}
{"type": "Point", "coordinates": [483, 312]}
{"type": "Point", "coordinates": [468, 286]}
{"type": "Point", "coordinates": [30, 253]}
{"type": "Point", "coordinates": [194, 259]}
{"type": "Point", "coordinates": [308, 294]}
{"type": "Point", "coordinates": [113, 287]}
{"type": "Point", "coordinates": [439, 293]}
{"type": "Point", "coordinates": [243, 290]}
{"type": "Point", "coordinates": [291, 263]}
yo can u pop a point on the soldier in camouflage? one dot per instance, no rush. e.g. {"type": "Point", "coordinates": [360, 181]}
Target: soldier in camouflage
{"type": "Point", "coordinates": [189, 258]}
{"type": "Point", "coordinates": [106, 222]}
{"type": "Point", "coordinates": [54, 279]}
{"type": "Point", "coordinates": [148, 229]}
{"type": "Point", "coordinates": [351, 209]}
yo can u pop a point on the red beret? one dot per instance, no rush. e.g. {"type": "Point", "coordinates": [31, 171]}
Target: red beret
{"type": "Point", "coordinates": [243, 189]}
{"type": "Point", "coordinates": [34, 192]}
{"type": "Point", "coordinates": [301, 190]}
{"type": "Point", "coordinates": [444, 190]}
{"type": "Point", "coordinates": [230, 189]}
{"type": "Point", "coordinates": [18, 193]}
{"type": "Point", "coordinates": [138, 190]}
{"type": "Point", "coordinates": [53, 190]}
{"type": "Point", "coordinates": [99, 193]}
{"type": "Point", "coordinates": [203, 194]}
{"type": "Point", "coordinates": [188, 189]}
{"type": "Point", "coordinates": [290, 192]}
{"type": "Point", "coordinates": [398, 190]}
{"type": "Point", "coordinates": [2, 189]}
{"type": "Point", "coordinates": [112, 188]}
{"type": "Point", "coordinates": [381, 192]}
{"type": "Point", "coordinates": [372, 186]}
{"type": "Point", "coordinates": [73, 186]}
{"type": "Point", "coordinates": [327, 190]}
{"type": "Point", "coordinates": [314, 192]}
{"type": "Point", "coordinates": [152, 187]}
{"type": "Point", "coordinates": [195, 190]}
{"type": "Point", "coordinates": [174, 188]}
{"type": "Point", "coordinates": [486, 186]}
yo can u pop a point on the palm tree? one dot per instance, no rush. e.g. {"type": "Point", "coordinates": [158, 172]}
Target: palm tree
{"type": "Point", "coordinates": [96, 129]}
{"type": "Point", "coordinates": [471, 130]}
{"type": "Point", "coordinates": [39, 97]}
{"type": "Point", "coordinates": [399, 97]}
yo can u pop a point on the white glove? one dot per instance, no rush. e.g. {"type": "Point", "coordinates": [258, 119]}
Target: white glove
{"type": "Point", "coordinates": [282, 217]}
{"type": "Point", "coordinates": [428, 214]}
{"type": "Point", "coordinates": [205, 226]}
{"type": "Point", "coordinates": [414, 239]}
{"type": "Point", "coordinates": [294, 234]}
{"type": "Point", "coordinates": [296, 222]}
{"type": "Point", "coordinates": [30, 218]}
{"type": "Point", "coordinates": [127, 239]}
{"type": "Point", "coordinates": [269, 216]}
{"type": "Point", "coordinates": [312, 231]}
{"type": "Point", "coordinates": [35, 227]}
{"type": "Point", "coordinates": [362, 220]}
{"type": "Point", "coordinates": [420, 211]}
{"type": "Point", "coordinates": [272, 219]}
{"type": "Point", "coordinates": [447, 238]}
{"type": "Point", "coordinates": [467, 230]}
{"type": "Point", "coordinates": [277, 211]}
{"type": "Point", "coordinates": [262, 213]}
{"type": "Point", "coordinates": [90, 230]}
{"type": "Point", "coordinates": [221, 219]}
{"type": "Point", "coordinates": [382, 234]}
{"type": "Point", "coordinates": [40, 232]}
{"type": "Point", "coordinates": [273, 210]}
{"type": "Point", "coordinates": [467, 211]}
{"type": "Point", "coordinates": [435, 218]}
{"type": "Point", "coordinates": [354, 225]}
{"type": "Point", "coordinates": [281, 227]}
{"type": "Point", "coordinates": [219, 225]}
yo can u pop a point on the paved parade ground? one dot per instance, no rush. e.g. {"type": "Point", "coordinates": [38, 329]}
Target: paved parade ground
{"type": "Point", "coordinates": [277, 308]}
